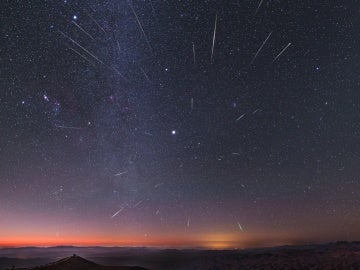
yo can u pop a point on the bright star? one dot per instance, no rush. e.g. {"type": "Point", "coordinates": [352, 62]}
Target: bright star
{"type": "Point", "coordinates": [74, 17]}
{"type": "Point", "coordinates": [173, 132]}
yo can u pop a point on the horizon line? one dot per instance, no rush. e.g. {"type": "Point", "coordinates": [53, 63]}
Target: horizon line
{"type": "Point", "coordinates": [185, 247]}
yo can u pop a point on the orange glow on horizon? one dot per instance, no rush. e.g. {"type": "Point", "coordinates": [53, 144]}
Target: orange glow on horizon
{"type": "Point", "coordinates": [193, 241]}
{"type": "Point", "coordinates": [208, 241]}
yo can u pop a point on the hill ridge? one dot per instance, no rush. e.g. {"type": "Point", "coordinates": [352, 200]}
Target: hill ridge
{"type": "Point", "coordinates": [76, 262]}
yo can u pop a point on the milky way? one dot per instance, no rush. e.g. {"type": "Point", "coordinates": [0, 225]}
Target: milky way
{"type": "Point", "coordinates": [129, 123]}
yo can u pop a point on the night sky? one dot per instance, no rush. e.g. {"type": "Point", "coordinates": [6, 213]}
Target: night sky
{"type": "Point", "coordinates": [179, 123]}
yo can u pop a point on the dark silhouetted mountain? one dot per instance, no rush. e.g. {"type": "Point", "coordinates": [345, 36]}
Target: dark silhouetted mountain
{"type": "Point", "coordinates": [77, 263]}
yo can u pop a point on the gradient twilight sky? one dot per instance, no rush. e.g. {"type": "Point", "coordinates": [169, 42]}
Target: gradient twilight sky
{"type": "Point", "coordinates": [179, 123]}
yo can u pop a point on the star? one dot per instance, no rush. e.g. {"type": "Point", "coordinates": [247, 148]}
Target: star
{"type": "Point", "coordinates": [46, 98]}
{"type": "Point", "coordinates": [173, 132]}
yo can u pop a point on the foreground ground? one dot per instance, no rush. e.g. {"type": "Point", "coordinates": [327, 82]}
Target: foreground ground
{"type": "Point", "coordinates": [341, 255]}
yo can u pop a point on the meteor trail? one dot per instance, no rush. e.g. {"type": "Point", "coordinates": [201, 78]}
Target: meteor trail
{"type": "Point", "coordinates": [118, 46]}
{"type": "Point", "coordinates": [213, 42]}
{"type": "Point", "coordinates": [114, 215]}
{"type": "Point", "coordinates": [136, 205]}
{"type": "Point", "coordinates": [98, 25]}
{"type": "Point", "coordinates": [241, 116]}
{"type": "Point", "coordinates": [262, 45]}
{"type": "Point", "coordinates": [261, 1]}
{"type": "Point", "coordinates": [118, 72]}
{"type": "Point", "coordinates": [68, 127]}
{"type": "Point", "coordinates": [121, 173]}
{"type": "Point", "coordinates": [83, 30]}
{"type": "Point", "coordinates": [283, 50]}
{"type": "Point", "coordinates": [240, 227]}
{"type": "Point", "coordinates": [82, 56]}
{"type": "Point", "coordinates": [152, 7]}
{"type": "Point", "coordinates": [145, 75]}
{"type": "Point", "coordinates": [139, 23]}
{"type": "Point", "coordinates": [84, 49]}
